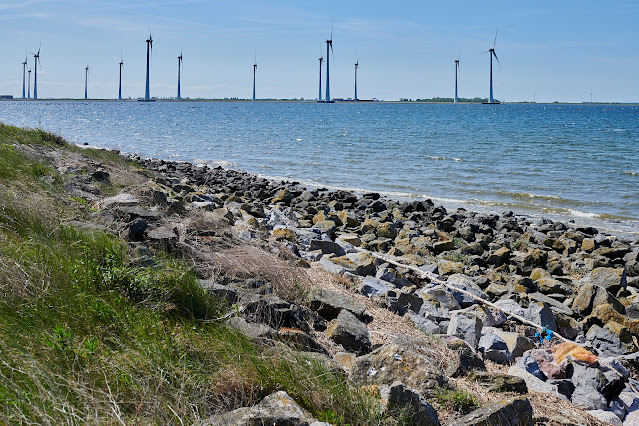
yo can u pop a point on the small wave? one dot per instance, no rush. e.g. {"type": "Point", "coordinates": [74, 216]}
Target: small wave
{"type": "Point", "coordinates": [631, 173]}
{"type": "Point", "coordinates": [222, 163]}
{"type": "Point", "coordinates": [529, 195]}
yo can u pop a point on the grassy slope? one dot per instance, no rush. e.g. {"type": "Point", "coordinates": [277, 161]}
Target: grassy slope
{"type": "Point", "coordinates": [86, 335]}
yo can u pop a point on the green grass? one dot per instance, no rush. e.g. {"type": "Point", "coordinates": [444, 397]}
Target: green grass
{"type": "Point", "coordinates": [88, 337]}
{"type": "Point", "coordinates": [457, 400]}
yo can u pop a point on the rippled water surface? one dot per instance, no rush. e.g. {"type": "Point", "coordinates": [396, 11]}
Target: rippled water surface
{"type": "Point", "coordinates": [576, 162]}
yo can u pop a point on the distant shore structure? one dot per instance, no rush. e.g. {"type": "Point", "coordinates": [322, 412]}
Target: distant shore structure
{"type": "Point", "coordinates": [120, 86]}
{"type": "Point", "coordinates": [86, 81]}
{"type": "Point", "coordinates": [456, 73]}
{"type": "Point", "coordinates": [356, 66]}
{"type": "Point", "coordinates": [254, 71]}
{"type": "Point", "coordinates": [36, 59]}
{"type": "Point", "coordinates": [491, 53]}
{"type": "Point", "coordinates": [321, 59]}
{"type": "Point", "coordinates": [24, 69]}
{"type": "Point", "coordinates": [179, 95]}
{"type": "Point", "coordinates": [149, 47]}
{"type": "Point", "coordinates": [329, 44]}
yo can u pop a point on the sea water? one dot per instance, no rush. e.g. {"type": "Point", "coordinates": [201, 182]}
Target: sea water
{"type": "Point", "coordinates": [567, 162]}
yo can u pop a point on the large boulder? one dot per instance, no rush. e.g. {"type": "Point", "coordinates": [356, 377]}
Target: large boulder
{"type": "Point", "coordinates": [517, 344]}
{"type": "Point", "coordinates": [416, 407]}
{"type": "Point", "coordinates": [464, 282]}
{"type": "Point", "coordinates": [349, 332]}
{"type": "Point", "coordinates": [392, 362]}
{"type": "Point", "coordinates": [611, 279]}
{"type": "Point", "coordinates": [540, 313]}
{"type": "Point", "coordinates": [329, 304]}
{"type": "Point", "coordinates": [494, 349]}
{"type": "Point", "coordinates": [465, 326]}
{"type": "Point", "coordinates": [276, 409]}
{"type": "Point", "coordinates": [587, 397]}
{"type": "Point", "coordinates": [508, 412]}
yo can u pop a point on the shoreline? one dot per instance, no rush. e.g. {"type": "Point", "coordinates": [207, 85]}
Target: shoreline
{"type": "Point", "coordinates": [429, 296]}
{"type": "Point", "coordinates": [491, 207]}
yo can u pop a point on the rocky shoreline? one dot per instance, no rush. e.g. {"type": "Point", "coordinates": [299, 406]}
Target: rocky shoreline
{"type": "Point", "coordinates": [572, 280]}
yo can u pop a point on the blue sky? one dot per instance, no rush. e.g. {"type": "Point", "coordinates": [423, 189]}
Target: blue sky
{"type": "Point", "coordinates": [560, 50]}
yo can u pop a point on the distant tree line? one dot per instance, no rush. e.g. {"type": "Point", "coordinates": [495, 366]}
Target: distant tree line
{"type": "Point", "coordinates": [467, 100]}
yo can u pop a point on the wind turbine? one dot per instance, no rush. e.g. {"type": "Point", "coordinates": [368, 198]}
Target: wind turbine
{"type": "Point", "coordinates": [329, 42]}
{"type": "Point", "coordinates": [321, 59]}
{"type": "Point", "coordinates": [120, 86]}
{"type": "Point", "coordinates": [29, 85]}
{"type": "Point", "coordinates": [491, 53]}
{"type": "Point", "coordinates": [254, 69]}
{"type": "Point", "coordinates": [149, 47]}
{"type": "Point", "coordinates": [179, 96]}
{"type": "Point", "coordinates": [356, 66]}
{"type": "Point", "coordinates": [86, 80]}
{"type": "Point", "coordinates": [36, 59]}
{"type": "Point", "coordinates": [456, 72]}
{"type": "Point", "coordinates": [24, 68]}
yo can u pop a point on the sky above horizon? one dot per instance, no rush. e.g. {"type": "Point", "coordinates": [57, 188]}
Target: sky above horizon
{"type": "Point", "coordinates": [549, 50]}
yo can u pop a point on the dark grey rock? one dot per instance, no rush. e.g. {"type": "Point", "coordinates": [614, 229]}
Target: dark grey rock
{"type": "Point", "coordinates": [349, 332]}
{"type": "Point", "coordinates": [508, 412]}
{"type": "Point", "coordinates": [327, 247]}
{"type": "Point", "coordinates": [564, 387]}
{"type": "Point", "coordinates": [466, 283]}
{"type": "Point", "coordinates": [420, 412]}
{"type": "Point", "coordinates": [604, 342]}
{"type": "Point", "coordinates": [540, 313]}
{"type": "Point", "coordinates": [529, 364]}
{"type": "Point", "coordinates": [374, 287]}
{"type": "Point", "coordinates": [465, 326]}
{"type": "Point", "coordinates": [137, 228]}
{"type": "Point", "coordinates": [494, 349]}
{"type": "Point", "coordinates": [329, 303]}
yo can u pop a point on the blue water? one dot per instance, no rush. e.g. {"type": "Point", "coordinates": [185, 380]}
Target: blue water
{"type": "Point", "coordinates": [577, 162]}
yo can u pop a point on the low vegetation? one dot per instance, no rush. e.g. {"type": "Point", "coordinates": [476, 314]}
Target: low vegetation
{"type": "Point", "coordinates": [88, 335]}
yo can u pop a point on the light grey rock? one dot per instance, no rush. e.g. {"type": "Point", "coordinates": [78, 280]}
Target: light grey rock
{"type": "Point", "coordinates": [517, 343]}
{"type": "Point", "coordinates": [465, 326]}
{"type": "Point", "coordinates": [604, 342]}
{"type": "Point", "coordinates": [329, 266]}
{"type": "Point", "coordinates": [276, 409]}
{"type": "Point", "coordinates": [510, 306]}
{"type": "Point", "coordinates": [529, 365]}
{"type": "Point", "coordinates": [494, 349]}
{"type": "Point", "coordinates": [464, 282]}
{"type": "Point", "coordinates": [587, 397]}
{"type": "Point", "coordinates": [391, 275]}
{"type": "Point", "coordinates": [540, 313]}
{"type": "Point", "coordinates": [401, 302]}
{"type": "Point", "coordinates": [373, 287]}
{"type": "Point", "coordinates": [532, 382]}
{"type": "Point", "coordinates": [606, 416]}
{"type": "Point", "coordinates": [427, 325]}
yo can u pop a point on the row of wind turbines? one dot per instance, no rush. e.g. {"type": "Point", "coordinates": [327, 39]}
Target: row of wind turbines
{"type": "Point", "coordinates": [149, 47]}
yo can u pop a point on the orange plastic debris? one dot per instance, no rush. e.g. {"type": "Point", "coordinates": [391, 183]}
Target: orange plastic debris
{"type": "Point", "coordinates": [564, 350]}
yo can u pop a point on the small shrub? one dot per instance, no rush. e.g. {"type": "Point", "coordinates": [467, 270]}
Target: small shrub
{"type": "Point", "coordinates": [457, 400]}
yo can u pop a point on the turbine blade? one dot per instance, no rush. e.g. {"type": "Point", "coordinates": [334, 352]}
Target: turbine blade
{"type": "Point", "coordinates": [332, 24]}
{"type": "Point", "coordinates": [459, 56]}
{"type": "Point", "coordinates": [497, 59]}
{"type": "Point", "coordinates": [495, 42]}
